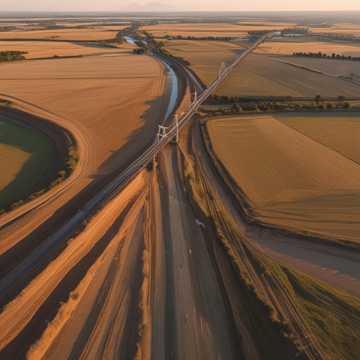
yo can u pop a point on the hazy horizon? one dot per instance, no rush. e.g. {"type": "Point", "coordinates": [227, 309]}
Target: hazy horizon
{"type": "Point", "coordinates": [176, 5]}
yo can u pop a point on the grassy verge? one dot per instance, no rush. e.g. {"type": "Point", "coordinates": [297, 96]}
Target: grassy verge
{"type": "Point", "coordinates": [333, 316]}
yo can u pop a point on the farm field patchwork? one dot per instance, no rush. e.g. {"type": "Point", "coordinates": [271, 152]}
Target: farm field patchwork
{"type": "Point", "coordinates": [340, 28]}
{"type": "Point", "coordinates": [291, 46]}
{"type": "Point", "coordinates": [46, 49]}
{"type": "Point", "coordinates": [294, 175]}
{"type": "Point", "coordinates": [213, 29]}
{"type": "Point", "coordinates": [261, 75]}
{"type": "Point", "coordinates": [336, 131]}
{"type": "Point", "coordinates": [113, 99]}
{"type": "Point", "coordinates": [61, 34]}
{"type": "Point", "coordinates": [328, 66]}
{"type": "Point", "coordinates": [205, 57]}
{"type": "Point", "coordinates": [28, 162]}
{"type": "Point", "coordinates": [196, 30]}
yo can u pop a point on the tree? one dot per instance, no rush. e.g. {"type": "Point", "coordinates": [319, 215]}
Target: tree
{"type": "Point", "coordinates": [235, 108]}
{"type": "Point", "coordinates": [317, 98]}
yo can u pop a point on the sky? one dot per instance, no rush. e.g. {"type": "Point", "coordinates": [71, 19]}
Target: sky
{"type": "Point", "coordinates": [177, 5]}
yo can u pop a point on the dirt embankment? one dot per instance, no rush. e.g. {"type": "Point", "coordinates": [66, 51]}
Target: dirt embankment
{"type": "Point", "coordinates": [112, 104]}
{"type": "Point", "coordinates": [296, 299]}
{"type": "Point", "coordinates": [265, 289]}
{"type": "Point", "coordinates": [278, 205]}
{"type": "Point", "coordinates": [65, 143]}
{"type": "Point", "coordinates": [59, 301]}
{"type": "Point", "coordinates": [258, 319]}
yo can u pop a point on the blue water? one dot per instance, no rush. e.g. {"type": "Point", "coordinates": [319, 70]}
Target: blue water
{"type": "Point", "coordinates": [130, 40]}
{"type": "Point", "coordinates": [174, 92]}
{"type": "Point", "coordinates": [172, 81]}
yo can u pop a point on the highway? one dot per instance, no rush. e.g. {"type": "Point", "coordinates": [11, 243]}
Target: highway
{"type": "Point", "coordinates": [120, 182]}
{"type": "Point", "coordinates": [28, 300]}
{"type": "Point", "coordinates": [139, 271]}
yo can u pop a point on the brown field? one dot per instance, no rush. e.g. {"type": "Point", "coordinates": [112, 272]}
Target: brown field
{"type": "Point", "coordinates": [267, 24]}
{"type": "Point", "coordinates": [212, 29]}
{"type": "Point", "coordinates": [46, 49]}
{"type": "Point", "coordinates": [261, 75]}
{"type": "Point", "coordinates": [343, 29]}
{"type": "Point", "coordinates": [289, 47]}
{"type": "Point", "coordinates": [18, 159]}
{"type": "Point", "coordinates": [197, 30]}
{"type": "Point", "coordinates": [338, 132]}
{"type": "Point", "coordinates": [112, 103]}
{"type": "Point", "coordinates": [333, 67]}
{"type": "Point", "coordinates": [304, 179]}
{"type": "Point", "coordinates": [98, 94]}
{"type": "Point", "coordinates": [205, 57]}
{"type": "Point", "coordinates": [62, 34]}
{"type": "Point", "coordinates": [93, 25]}
{"type": "Point", "coordinates": [257, 75]}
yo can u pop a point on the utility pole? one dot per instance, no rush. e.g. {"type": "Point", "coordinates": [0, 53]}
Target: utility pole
{"type": "Point", "coordinates": [162, 133]}
{"type": "Point", "coordinates": [177, 127]}
{"type": "Point", "coordinates": [221, 69]}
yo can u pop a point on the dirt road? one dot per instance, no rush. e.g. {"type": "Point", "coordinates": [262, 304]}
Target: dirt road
{"type": "Point", "coordinates": [190, 319]}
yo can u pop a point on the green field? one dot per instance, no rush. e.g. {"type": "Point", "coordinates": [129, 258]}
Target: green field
{"type": "Point", "coordinates": [28, 162]}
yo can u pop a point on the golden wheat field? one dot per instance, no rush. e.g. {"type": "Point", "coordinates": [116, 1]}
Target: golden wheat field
{"type": "Point", "coordinates": [46, 49]}
{"type": "Point", "coordinates": [112, 99]}
{"type": "Point", "coordinates": [205, 57]}
{"type": "Point", "coordinates": [328, 66]}
{"type": "Point", "coordinates": [289, 47]}
{"type": "Point", "coordinates": [257, 75]}
{"type": "Point", "coordinates": [61, 34]}
{"type": "Point", "coordinates": [261, 75]}
{"type": "Point", "coordinates": [213, 29]}
{"type": "Point", "coordinates": [196, 30]}
{"type": "Point", "coordinates": [339, 28]}
{"type": "Point", "coordinates": [297, 172]}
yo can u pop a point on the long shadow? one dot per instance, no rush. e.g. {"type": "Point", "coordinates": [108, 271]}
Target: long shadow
{"type": "Point", "coordinates": [144, 136]}
{"type": "Point", "coordinates": [131, 150]}
{"type": "Point", "coordinates": [18, 348]}
{"type": "Point", "coordinates": [137, 141]}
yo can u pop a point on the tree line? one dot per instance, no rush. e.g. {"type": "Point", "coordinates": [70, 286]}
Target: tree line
{"type": "Point", "coordinates": [12, 55]}
{"type": "Point", "coordinates": [234, 104]}
{"type": "Point", "coordinates": [321, 55]}
{"type": "Point", "coordinates": [206, 38]}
